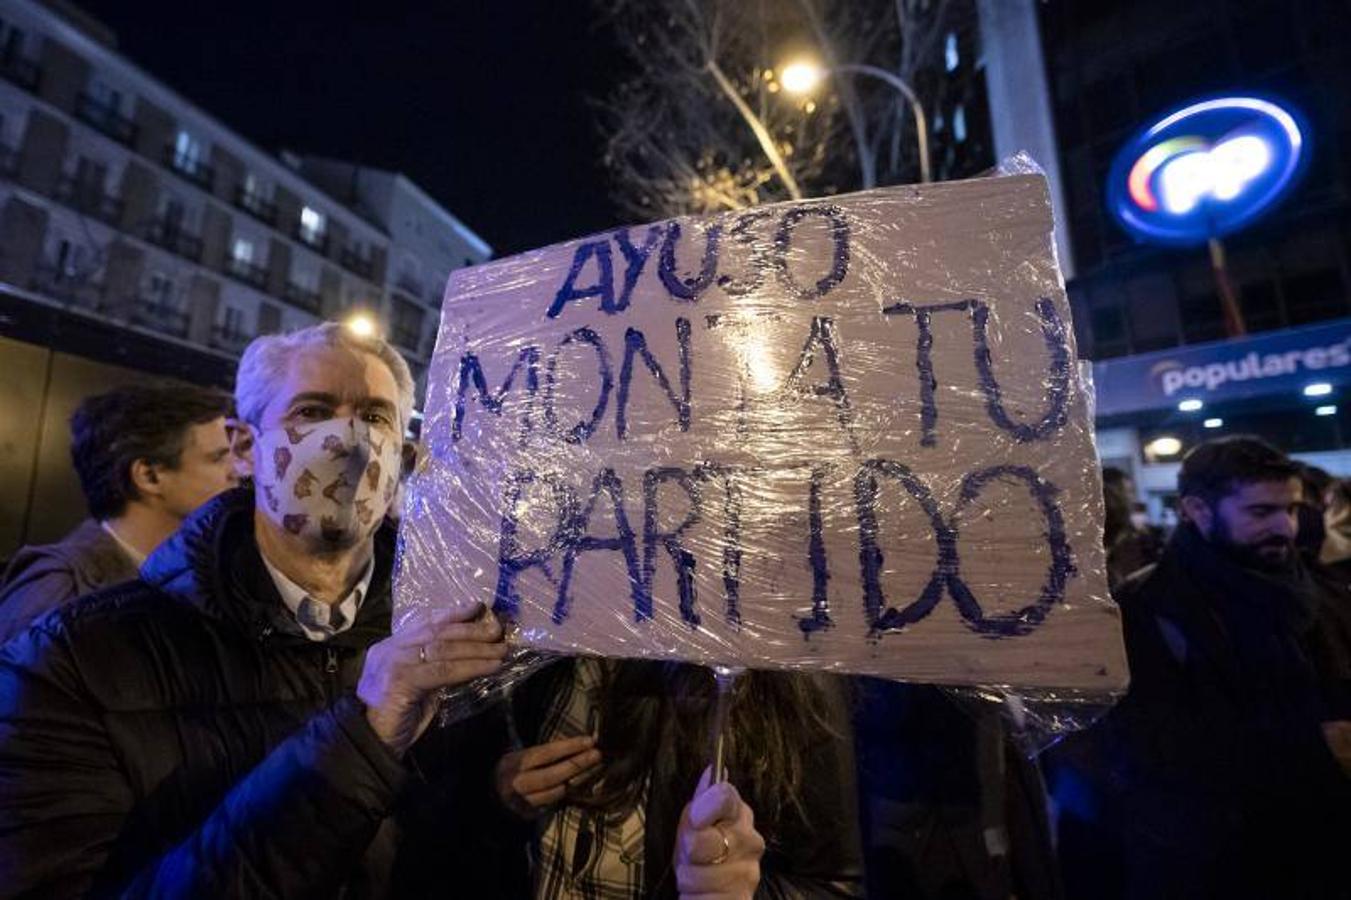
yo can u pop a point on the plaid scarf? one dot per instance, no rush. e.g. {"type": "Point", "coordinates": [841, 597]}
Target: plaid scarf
{"type": "Point", "coordinates": [583, 853]}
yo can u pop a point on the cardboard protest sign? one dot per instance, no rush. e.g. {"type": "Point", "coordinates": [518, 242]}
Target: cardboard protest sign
{"type": "Point", "coordinates": [846, 434]}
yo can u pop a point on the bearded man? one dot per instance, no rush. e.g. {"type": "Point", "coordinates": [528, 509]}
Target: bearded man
{"type": "Point", "coordinates": [1218, 774]}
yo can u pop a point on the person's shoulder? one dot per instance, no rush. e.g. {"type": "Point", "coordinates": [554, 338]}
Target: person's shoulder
{"type": "Point", "coordinates": [1141, 585]}
{"type": "Point", "coordinates": [88, 556]}
{"type": "Point", "coordinates": [107, 624]}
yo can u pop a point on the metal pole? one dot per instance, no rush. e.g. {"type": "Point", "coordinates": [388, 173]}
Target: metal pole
{"type": "Point", "coordinates": [1234, 325]}
{"type": "Point", "coordinates": [921, 123]}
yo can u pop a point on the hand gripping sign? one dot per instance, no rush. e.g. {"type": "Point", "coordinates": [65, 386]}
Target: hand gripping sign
{"type": "Point", "coordinates": [844, 434]}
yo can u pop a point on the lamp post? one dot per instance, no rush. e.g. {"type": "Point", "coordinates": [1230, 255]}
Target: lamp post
{"type": "Point", "coordinates": [802, 77]}
{"type": "Point", "coordinates": [361, 324]}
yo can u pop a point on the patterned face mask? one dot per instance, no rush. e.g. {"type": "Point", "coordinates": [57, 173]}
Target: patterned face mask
{"type": "Point", "coordinates": [330, 483]}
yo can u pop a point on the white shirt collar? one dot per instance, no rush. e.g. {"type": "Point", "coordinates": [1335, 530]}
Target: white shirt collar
{"type": "Point", "coordinates": [136, 556]}
{"type": "Point", "coordinates": [315, 618]}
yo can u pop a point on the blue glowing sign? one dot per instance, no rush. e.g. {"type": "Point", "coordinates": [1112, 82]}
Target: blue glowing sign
{"type": "Point", "coordinates": [1205, 170]}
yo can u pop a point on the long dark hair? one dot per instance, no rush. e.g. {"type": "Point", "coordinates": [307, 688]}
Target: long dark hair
{"type": "Point", "coordinates": [667, 708]}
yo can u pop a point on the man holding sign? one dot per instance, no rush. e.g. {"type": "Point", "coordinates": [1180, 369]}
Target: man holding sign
{"type": "Point", "coordinates": [842, 435]}
{"type": "Point", "coordinates": [237, 722]}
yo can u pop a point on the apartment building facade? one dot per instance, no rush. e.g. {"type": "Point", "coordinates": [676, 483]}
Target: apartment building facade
{"type": "Point", "coordinates": [123, 202]}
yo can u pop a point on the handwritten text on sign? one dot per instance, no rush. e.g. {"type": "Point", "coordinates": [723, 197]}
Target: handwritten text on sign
{"type": "Point", "coordinates": [781, 438]}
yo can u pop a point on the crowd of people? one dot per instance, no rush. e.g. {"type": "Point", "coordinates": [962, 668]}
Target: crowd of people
{"type": "Point", "coordinates": [201, 695]}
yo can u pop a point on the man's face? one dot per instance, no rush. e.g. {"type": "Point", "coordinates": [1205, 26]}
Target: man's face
{"type": "Point", "coordinates": [205, 468]}
{"type": "Point", "coordinates": [1258, 520]}
{"type": "Point", "coordinates": [324, 480]}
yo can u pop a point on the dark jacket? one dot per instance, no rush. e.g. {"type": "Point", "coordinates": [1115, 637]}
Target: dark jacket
{"type": "Point", "coordinates": [169, 737]}
{"type": "Point", "coordinates": [43, 577]}
{"type": "Point", "coordinates": [822, 859]}
{"type": "Point", "coordinates": [1212, 777]}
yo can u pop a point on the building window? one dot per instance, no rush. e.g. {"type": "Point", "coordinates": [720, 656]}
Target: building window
{"type": "Point", "coordinates": [105, 95]}
{"type": "Point", "coordinates": [959, 123]}
{"type": "Point", "coordinates": [173, 213]}
{"type": "Point", "coordinates": [306, 278]}
{"type": "Point", "coordinates": [407, 325]}
{"type": "Point", "coordinates": [234, 321]}
{"type": "Point", "coordinates": [251, 196]}
{"type": "Point", "coordinates": [950, 57]}
{"type": "Point", "coordinates": [69, 260]}
{"type": "Point", "coordinates": [311, 225]}
{"type": "Point", "coordinates": [159, 290]}
{"type": "Point", "coordinates": [188, 153]}
{"type": "Point", "coordinates": [243, 250]}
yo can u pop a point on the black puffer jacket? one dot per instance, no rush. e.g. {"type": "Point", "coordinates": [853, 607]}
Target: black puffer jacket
{"type": "Point", "coordinates": [1212, 777]}
{"type": "Point", "coordinates": [169, 737]}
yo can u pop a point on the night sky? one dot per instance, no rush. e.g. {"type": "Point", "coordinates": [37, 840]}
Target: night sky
{"type": "Point", "coordinates": [485, 105]}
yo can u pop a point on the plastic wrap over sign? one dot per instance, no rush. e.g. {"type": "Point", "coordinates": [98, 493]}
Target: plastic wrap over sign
{"type": "Point", "coordinates": [845, 434]}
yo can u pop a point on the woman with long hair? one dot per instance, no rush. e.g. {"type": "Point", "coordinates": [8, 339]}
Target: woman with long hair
{"type": "Point", "coordinates": [606, 775]}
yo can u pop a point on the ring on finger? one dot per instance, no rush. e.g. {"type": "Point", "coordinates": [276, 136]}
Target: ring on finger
{"type": "Point", "coordinates": [726, 846]}
{"type": "Point", "coordinates": [422, 653]}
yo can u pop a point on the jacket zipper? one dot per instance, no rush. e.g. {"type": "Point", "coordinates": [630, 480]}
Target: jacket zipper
{"type": "Point", "coordinates": [331, 667]}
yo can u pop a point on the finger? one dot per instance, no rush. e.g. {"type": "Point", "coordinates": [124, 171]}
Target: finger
{"type": "Point", "coordinates": [728, 877]}
{"type": "Point", "coordinates": [553, 751]}
{"type": "Point", "coordinates": [545, 798]}
{"type": "Point", "coordinates": [717, 803]}
{"type": "Point", "coordinates": [452, 648]}
{"type": "Point", "coordinates": [558, 773]}
{"type": "Point", "coordinates": [460, 612]}
{"type": "Point", "coordinates": [488, 629]}
{"type": "Point", "coordinates": [449, 673]}
{"type": "Point", "coordinates": [703, 845]}
{"type": "Point", "coordinates": [427, 617]}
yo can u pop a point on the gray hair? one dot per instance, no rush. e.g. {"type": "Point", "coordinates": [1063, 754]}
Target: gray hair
{"type": "Point", "coordinates": [266, 358]}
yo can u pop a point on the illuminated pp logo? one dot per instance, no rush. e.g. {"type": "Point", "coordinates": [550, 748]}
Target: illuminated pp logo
{"type": "Point", "coordinates": [1205, 170]}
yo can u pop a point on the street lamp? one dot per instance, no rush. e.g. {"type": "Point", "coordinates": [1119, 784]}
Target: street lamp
{"type": "Point", "coordinates": [802, 76]}
{"type": "Point", "coordinates": [361, 324]}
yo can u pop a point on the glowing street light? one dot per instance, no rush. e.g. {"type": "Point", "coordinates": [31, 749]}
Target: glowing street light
{"type": "Point", "coordinates": [1164, 446]}
{"type": "Point", "coordinates": [361, 324]}
{"type": "Point", "coordinates": [1213, 423]}
{"type": "Point", "coordinates": [1190, 405]}
{"type": "Point", "coordinates": [1328, 410]}
{"type": "Point", "coordinates": [1317, 389]}
{"type": "Point", "coordinates": [802, 77]}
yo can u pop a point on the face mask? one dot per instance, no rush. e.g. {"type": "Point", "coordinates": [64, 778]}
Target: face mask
{"type": "Point", "coordinates": [329, 484]}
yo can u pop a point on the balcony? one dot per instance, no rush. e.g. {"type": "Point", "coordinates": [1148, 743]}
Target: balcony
{"type": "Point", "coordinates": [105, 118]}
{"type": "Point", "coordinates": [315, 240]}
{"type": "Point", "coordinates": [224, 338]}
{"type": "Point", "coordinates": [409, 285]}
{"type": "Point", "coordinates": [303, 297]}
{"type": "Point", "coordinates": [357, 264]}
{"type": "Point", "coordinates": [247, 272]}
{"type": "Point", "coordinates": [89, 198]}
{"type": "Point", "coordinates": [160, 316]}
{"type": "Point", "coordinates": [256, 205]}
{"type": "Point", "coordinates": [175, 239]}
{"type": "Point", "coordinates": [21, 70]}
{"type": "Point", "coordinates": [191, 168]}
{"type": "Point", "coordinates": [80, 290]}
